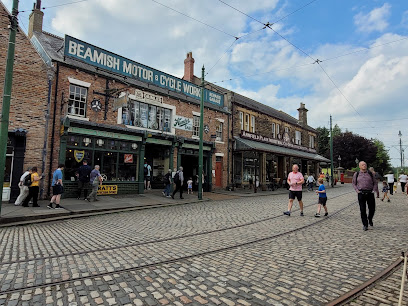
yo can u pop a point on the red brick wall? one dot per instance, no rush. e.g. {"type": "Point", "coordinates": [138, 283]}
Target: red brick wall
{"type": "Point", "coordinates": [29, 92]}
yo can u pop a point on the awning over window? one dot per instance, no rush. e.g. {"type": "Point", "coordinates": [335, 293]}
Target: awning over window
{"type": "Point", "coordinates": [249, 145]}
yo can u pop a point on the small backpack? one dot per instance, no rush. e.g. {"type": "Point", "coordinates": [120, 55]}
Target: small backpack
{"type": "Point", "coordinates": [145, 170]}
{"type": "Point", "coordinates": [27, 180]}
{"type": "Point", "coordinates": [176, 178]}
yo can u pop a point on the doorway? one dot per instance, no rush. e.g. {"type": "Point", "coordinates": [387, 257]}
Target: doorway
{"type": "Point", "coordinates": [218, 171]}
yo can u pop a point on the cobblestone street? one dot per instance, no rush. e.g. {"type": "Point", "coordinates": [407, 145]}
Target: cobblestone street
{"type": "Point", "coordinates": [241, 251]}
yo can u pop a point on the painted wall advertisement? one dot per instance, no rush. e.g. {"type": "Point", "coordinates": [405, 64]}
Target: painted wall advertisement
{"type": "Point", "coordinates": [183, 123]}
{"type": "Point", "coordinates": [106, 60]}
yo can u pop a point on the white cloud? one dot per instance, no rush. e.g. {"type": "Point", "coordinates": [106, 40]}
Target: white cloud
{"type": "Point", "coordinates": [376, 20]}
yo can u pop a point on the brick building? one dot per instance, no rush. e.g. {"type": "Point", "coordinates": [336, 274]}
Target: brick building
{"type": "Point", "coordinates": [30, 109]}
{"type": "Point", "coordinates": [263, 141]}
{"type": "Point", "coordinates": [116, 113]}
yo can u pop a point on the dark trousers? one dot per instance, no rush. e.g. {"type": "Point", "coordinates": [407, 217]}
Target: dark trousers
{"type": "Point", "coordinates": [403, 186]}
{"type": "Point", "coordinates": [364, 200]}
{"type": "Point", "coordinates": [32, 194]}
{"type": "Point", "coordinates": [391, 185]}
{"type": "Point", "coordinates": [83, 186]}
{"type": "Point", "coordinates": [178, 188]}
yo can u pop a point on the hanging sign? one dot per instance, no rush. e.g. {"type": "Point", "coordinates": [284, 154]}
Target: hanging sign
{"type": "Point", "coordinates": [79, 155]}
{"type": "Point", "coordinates": [128, 159]}
{"type": "Point", "coordinates": [92, 55]}
{"type": "Point", "coordinates": [183, 123]}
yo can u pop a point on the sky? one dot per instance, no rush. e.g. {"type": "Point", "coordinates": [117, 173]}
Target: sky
{"type": "Point", "coordinates": [344, 58]}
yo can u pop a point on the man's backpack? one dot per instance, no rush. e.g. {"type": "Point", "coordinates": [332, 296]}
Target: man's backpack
{"type": "Point", "coordinates": [176, 178]}
{"type": "Point", "coordinates": [145, 171]}
{"type": "Point", "coordinates": [27, 180]}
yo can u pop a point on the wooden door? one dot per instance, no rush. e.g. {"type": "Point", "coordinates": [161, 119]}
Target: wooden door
{"type": "Point", "coordinates": [218, 174]}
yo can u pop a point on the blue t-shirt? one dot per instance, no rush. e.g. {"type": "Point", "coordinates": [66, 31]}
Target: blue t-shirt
{"type": "Point", "coordinates": [57, 175]}
{"type": "Point", "coordinates": [321, 188]}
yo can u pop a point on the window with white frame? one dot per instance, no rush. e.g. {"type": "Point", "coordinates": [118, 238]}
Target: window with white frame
{"type": "Point", "coordinates": [77, 100]}
{"type": "Point", "coordinates": [286, 129]}
{"type": "Point", "coordinates": [196, 126]}
{"type": "Point", "coordinates": [241, 119]}
{"type": "Point", "coordinates": [311, 141]}
{"type": "Point", "coordinates": [148, 116]}
{"type": "Point", "coordinates": [247, 122]}
{"type": "Point", "coordinates": [273, 130]}
{"type": "Point", "coordinates": [252, 124]}
{"type": "Point", "coordinates": [218, 131]}
{"type": "Point", "coordinates": [298, 137]}
{"type": "Point", "coordinates": [278, 130]}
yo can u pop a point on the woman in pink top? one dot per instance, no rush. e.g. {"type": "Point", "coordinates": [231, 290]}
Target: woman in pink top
{"type": "Point", "coordinates": [295, 181]}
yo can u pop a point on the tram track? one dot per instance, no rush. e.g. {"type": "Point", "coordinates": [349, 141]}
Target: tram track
{"type": "Point", "coordinates": [175, 259]}
{"type": "Point", "coordinates": [157, 240]}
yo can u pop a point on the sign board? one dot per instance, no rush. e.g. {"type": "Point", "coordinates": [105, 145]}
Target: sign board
{"type": "Point", "coordinates": [279, 142]}
{"type": "Point", "coordinates": [121, 101]}
{"type": "Point", "coordinates": [95, 56]}
{"type": "Point", "coordinates": [107, 189]}
{"type": "Point", "coordinates": [183, 123]}
{"type": "Point", "coordinates": [128, 159]}
{"type": "Point", "coordinates": [213, 136]}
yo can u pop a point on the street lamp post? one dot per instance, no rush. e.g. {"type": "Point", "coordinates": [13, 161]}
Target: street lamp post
{"type": "Point", "coordinates": [200, 152]}
{"type": "Point", "coordinates": [339, 159]}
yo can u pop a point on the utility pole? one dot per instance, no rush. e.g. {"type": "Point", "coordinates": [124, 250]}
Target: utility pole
{"type": "Point", "coordinates": [200, 152]}
{"type": "Point", "coordinates": [8, 82]}
{"type": "Point", "coordinates": [402, 159]}
{"type": "Point", "coordinates": [331, 153]}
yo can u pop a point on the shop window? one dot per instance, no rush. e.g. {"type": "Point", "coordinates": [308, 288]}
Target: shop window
{"type": "Point", "coordinates": [108, 167]}
{"type": "Point", "coordinates": [74, 141]}
{"type": "Point", "coordinates": [241, 120]}
{"type": "Point", "coordinates": [252, 124]}
{"type": "Point", "coordinates": [77, 100]}
{"type": "Point", "coordinates": [298, 137]}
{"type": "Point", "coordinates": [73, 160]}
{"type": "Point", "coordinates": [196, 126]}
{"type": "Point", "coordinates": [218, 131]}
{"type": "Point", "coordinates": [127, 167]}
{"type": "Point", "coordinates": [147, 116]}
{"type": "Point", "coordinates": [273, 130]}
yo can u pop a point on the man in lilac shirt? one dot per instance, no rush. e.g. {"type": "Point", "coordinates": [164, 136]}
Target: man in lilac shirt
{"type": "Point", "coordinates": [364, 185]}
{"type": "Point", "coordinates": [295, 181]}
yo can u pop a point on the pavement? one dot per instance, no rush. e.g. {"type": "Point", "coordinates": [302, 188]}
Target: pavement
{"type": "Point", "coordinates": [18, 215]}
{"type": "Point", "coordinates": [237, 251]}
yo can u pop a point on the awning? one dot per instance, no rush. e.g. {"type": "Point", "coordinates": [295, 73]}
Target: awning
{"type": "Point", "coordinates": [249, 145]}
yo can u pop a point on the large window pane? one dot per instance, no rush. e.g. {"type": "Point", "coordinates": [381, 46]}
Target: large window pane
{"type": "Point", "coordinates": [109, 165]}
{"type": "Point", "coordinates": [144, 108]}
{"type": "Point", "coordinates": [152, 123]}
{"type": "Point", "coordinates": [127, 167]}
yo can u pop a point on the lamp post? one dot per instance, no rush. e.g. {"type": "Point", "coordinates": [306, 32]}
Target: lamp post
{"type": "Point", "coordinates": [339, 159]}
{"type": "Point", "coordinates": [357, 161]}
{"type": "Point", "coordinates": [200, 152]}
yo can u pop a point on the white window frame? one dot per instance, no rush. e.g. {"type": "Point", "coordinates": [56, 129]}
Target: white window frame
{"type": "Point", "coordinates": [252, 124]}
{"type": "Point", "coordinates": [246, 125]}
{"type": "Point", "coordinates": [311, 141]}
{"type": "Point", "coordinates": [82, 105]}
{"type": "Point", "coordinates": [298, 137]}
{"type": "Point", "coordinates": [241, 119]}
{"type": "Point", "coordinates": [277, 129]}
{"type": "Point", "coordinates": [273, 130]}
{"type": "Point", "coordinates": [219, 131]}
{"type": "Point", "coordinates": [196, 126]}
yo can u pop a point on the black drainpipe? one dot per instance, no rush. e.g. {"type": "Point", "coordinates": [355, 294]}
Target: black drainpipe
{"type": "Point", "coordinates": [53, 131]}
{"type": "Point", "coordinates": [47, 119]}
{"type": "Point", "coordinates": [232, 147]}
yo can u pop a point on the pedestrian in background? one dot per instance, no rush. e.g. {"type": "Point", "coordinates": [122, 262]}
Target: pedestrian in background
{"type": "Point", "coordinates": [83, 179]}
{"type": "Point", "coordinates": [322, 198]}
{"type": "Point", "coordinates": [190, 186]}
{"type": "Point", "coordinates": [23, 188]}
{"type": "Point", "coordinates": [390, 181]}
{"type": "Point", "coordinates": [147, 175]}
{"type": "Point", "coordinates": [310, 182]}
{"type": "Point", "coordinates": [295, 181]}
{"type": "Point", "coordinates": [403, 181]}
{"type": "Point", "coordinates": [375, 181]}
{"type": "Point", "coordinates": [385, 191]}
{"type": "Point", "coordinates": [57, 187]}
{"type": "Point", "coordinates": [167, 183]}
{"type": "Point", "coordinates": [33, 189]}
{"type": "Point", "coordinates": [95, 179]}
{"type": "Point", "coordinates": [178, 180]}
{"type": "Point", "coordinates": [363, 183]}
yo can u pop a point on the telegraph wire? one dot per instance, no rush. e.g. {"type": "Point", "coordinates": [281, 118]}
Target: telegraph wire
{"type": "Point", "coordinates": [58, 5]}
{"type": "Point", "coordinates": [295, 11]}
{"type": "Point", "coordinates": [181, 13]}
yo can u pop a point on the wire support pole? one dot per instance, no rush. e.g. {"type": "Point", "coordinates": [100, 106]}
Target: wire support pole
{"type": "Point", "coordinates": [331, 153]}
{"type": "Point", "coordinates": [200, 152]}
{"type": "Point", "coordinates": [8, 82]}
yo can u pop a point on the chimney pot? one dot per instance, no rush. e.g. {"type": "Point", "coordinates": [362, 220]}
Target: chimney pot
{"type": "Point", "coordinates": [189, 67]}
{"type": "Point", "coordinates": [35, 19]}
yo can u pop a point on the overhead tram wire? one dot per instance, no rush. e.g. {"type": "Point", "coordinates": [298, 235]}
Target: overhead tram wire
{"type": "Point", "coordinates": [58, 5]}
{"type": "Point", "coordinates": [307, 4]}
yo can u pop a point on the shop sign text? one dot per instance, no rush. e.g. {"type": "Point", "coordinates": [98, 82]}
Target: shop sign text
{"type": "Point", "coordinates": [107, 189]}
{"type": "Point", "coordinates": [103, 59]}
{"type": "Point", "coordinates": [183, 123]}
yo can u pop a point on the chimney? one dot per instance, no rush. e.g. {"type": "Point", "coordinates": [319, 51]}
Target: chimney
{"type": "Point", "coordinates": [302, 114]}
{"type": "Point", "coordinates": [35, 19]}
{"type": "Point", "coordinates": [189, 67]}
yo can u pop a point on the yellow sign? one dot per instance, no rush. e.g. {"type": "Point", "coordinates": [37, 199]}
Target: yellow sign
{"type": "Point", "coordinates": [107, 189]}
{"type": "Point", "coordinates": [79, 155]}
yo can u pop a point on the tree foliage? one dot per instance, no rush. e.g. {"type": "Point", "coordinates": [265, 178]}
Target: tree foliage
{"type": "Point", "coordinates": [323, 141]}
{"type": "Point", "coordinates": [382, 163]}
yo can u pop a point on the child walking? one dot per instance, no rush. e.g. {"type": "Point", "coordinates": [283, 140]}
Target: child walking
{"type": "Point", "coordinates": [190, 186]}
{"type": "Point", "coordinates": [385, 191]}
{"type": "Point", "coordinates": [322, 198]}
